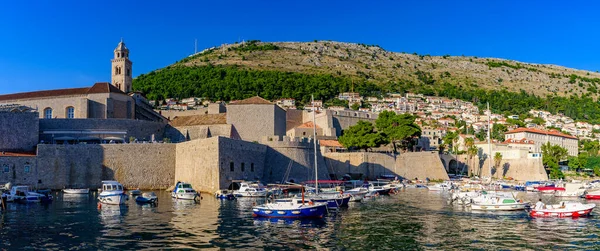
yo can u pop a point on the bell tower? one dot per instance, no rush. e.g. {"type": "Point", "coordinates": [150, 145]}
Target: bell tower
{"type": "Point", "coordinates": [121, 68]}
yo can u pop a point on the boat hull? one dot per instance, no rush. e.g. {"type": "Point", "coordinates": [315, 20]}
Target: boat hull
{"type": "Point", "coordinates": [581, 212]}
{"type": "Point", "coordinates": [76, 191]}
{"type": "Point", "coordinates": [113, 199]}
{"type": "Point", "coordinates": [143, 200]}
{"type": "Point", "coordinates": [499, 207]}
{"type": "Point", "coordinates": [304, 212]}
{"type": "Point", "coordinates": [592, 196]}
{"type": "Point", "coordinates": [185, 196]}
{"type": "Point", "coordinates": [333, 203]}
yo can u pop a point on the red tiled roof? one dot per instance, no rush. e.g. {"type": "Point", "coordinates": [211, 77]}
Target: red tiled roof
{"type": "Point", "coordinates": [96, 88]}
{"type": "Point", "coordinates": [308, 124]}
{"type": "Point", "coordinates": [538, 131]}
{"type": "Point", "coordinates": [520, 141]}
{"type": "Point", "coordinates": [330, 143]}
{"type": "Point", "coordinates": [256, 100]}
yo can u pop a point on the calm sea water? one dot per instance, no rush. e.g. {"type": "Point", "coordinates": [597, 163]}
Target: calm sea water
{"type": "Point", "coordinates": [414, 219]}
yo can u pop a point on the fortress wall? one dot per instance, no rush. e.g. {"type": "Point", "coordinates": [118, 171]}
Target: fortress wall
{"type": "Point", "coordinates": [197, 163]}
{"type": "Point", "coordinates": [16, 172]}
{"type": "Point", "coordinates": [297, 151]}
{"type": "Point", "coordinates": [144, 166]}
{"type": "Point", "coordinates": [179, 133]}
{"type": "Point", "coordinates": [421, 165]}
{"type": "Point", "coordinates": [240, 153]}
{"type": "Point", "coordinates": [174, 113]}
{"type": "Point", "coordinates": [371, 165]}
{"type": "Point", "coordinates": [519, 169]}
{"type": "Point", "coordinates": [18, 131]}
{"type": "Point", "coordinates": [139, 129]}
{"type": "Point", "coordinates": [60, 166]}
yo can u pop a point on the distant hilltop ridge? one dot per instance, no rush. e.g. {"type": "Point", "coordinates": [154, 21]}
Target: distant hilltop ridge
{"type": "Point", "coordinates": [374, 64]}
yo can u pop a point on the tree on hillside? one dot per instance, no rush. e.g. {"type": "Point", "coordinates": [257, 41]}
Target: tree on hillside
{"type": "Point", "coordinates": [498, 131]}
{"type": "Point", "coordinates": [451, 139]}
{"type": "Point", "coordinates": [551, 155]}
{"type": "Point", "coordinates": [355, 106]}
{"type": "Point", "coordinates": [362, 136]}
{"type": "Point", "coordinates": [398, 128]}
{"type": "Point", "coordinates": [497, 161]}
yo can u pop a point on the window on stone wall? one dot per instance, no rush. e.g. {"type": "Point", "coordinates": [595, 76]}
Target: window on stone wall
{"type": "Point", "coordinates": [251, 167]}
{"type": "Point", "coordinates": [5, 168]}
{"type": "Point", "coordinates": [70, 112]}
{"type": "Point", "coordinates": [303, 133]}
{"type": "Point", "coordinates": [48, 113]}
{"type": "Point", "coordinates": [27, 168]}
{"type": "Point", "coordinates": [231, 166]}
{"type": "Point", "coordinates": [243, 167]}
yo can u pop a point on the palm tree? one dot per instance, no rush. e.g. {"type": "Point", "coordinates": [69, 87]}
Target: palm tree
{"type": "Point", "coordinates": [469, 142]}
{"type": "Point", "coordinates": [471, 152]}
{"type": "Point", "coordinates": [497, 160]}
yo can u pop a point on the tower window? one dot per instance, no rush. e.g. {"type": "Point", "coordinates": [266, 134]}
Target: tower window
{"type": "Point", "coordinates": [231, 166]}
{"type": "Point", "coordinates": [129, 72]}
{"type": "Point", "coordinates": [243, 169]}
{"type": "Point", "coordinates": [48, 113]}
{"type": "Point", "coordinates": [251, 167]}
{"type": "Point", "coordinates": [118, 55]}
{"type": "Point", "coordinates": [70, 112]}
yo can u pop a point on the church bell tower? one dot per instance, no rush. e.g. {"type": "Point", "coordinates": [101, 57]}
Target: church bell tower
{"type": "Point", "coordinates": [121, 68]}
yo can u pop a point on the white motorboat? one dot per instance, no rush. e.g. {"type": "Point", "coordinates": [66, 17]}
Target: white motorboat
{"type": "Point", "coordinates": [440, 187]}
{"type": "Point", "coordinates": [184, 191]}
{"type": "Point", "coordinates": [76, 191]}
{"type": "Point", "coordinates": [497, 202]}
{"type": "Point", "coordinates": [563, 209]}
{"type": "Point", "coordinates": [358, 194]}
{"type": "Point", "coordinates": [112, 193]}
{"type": "Point", "coordinates": [250, 190]}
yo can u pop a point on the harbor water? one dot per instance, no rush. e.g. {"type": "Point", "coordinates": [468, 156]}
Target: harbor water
{"type": "Point", "coordinates": [413, 219]}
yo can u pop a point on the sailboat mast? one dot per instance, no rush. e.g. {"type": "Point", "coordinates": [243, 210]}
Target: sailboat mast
{"type": "Point", "coordinates": [489, 139]}
{"type": "Point", "coordinates": [315, 144]}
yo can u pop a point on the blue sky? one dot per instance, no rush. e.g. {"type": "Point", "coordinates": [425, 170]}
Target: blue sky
{"type": "Point", "coordinates": [64, 44]}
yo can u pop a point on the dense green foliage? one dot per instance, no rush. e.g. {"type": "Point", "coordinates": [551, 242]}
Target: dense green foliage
{"type": "Point", "coordinates": [391, 127]}
{"type": "Point", "coordinates": [362, 136]}
{"type": "Point", "coordinates": [233, 82]}
{"type": "Point", "coordinates": [551, 155]}
{"type": "Point", "coordinates": [397, 127]}
{"type": "Point", "coordinates": [254, 45]}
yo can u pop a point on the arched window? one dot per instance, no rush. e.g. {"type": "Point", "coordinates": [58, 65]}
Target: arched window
{"type": "Point", "coordinates": [116, 70]}
{"type": "Point", "coordinates": [48, 113]}
{"type": "Point", "coordinates": [118, 55]}
{"type": "Point", "coordinates": [70, 112]}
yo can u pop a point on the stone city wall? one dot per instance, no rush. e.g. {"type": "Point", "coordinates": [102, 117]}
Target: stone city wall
{"type": "Point", "coordinates": [181, 133]}
{"type": "Point", "coordinates": [18, 170]}
{"type": "Point", "coordinates": [240, 160]}
{"type": "Point", "coordinates": [252, 122]}
{"type": "Point", "coordinates": [144, 166]}
{"type": "Point", "coordinates": [519, 169]}
{"type": "Point", "coordinates": [60, 166]}
{"type": "Point", "coordinates": [19, 131]}
{"type": "Point", "coordinates": [295, 154]}
{"type": "Point", "coordinates": [197, 163]}
{"type": "Point", "coordinates": [371, 165]}
{"type": "Point", "coordinates": [421, 165]}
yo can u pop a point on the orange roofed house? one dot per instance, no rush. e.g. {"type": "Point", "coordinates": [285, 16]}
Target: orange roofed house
{"type": "Point", "coordinates": [540, 137]}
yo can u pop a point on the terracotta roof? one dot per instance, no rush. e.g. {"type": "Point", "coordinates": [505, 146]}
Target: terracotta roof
{"type": "Point", "coordinates": [96, 88]}
{"type": "Point", "coordinates": [256, 100]}
{"type": "Point", "coordinates": [519, 141]}
{"type": "Point", "coordinates": [204, 119]}
{"type": "Point", "coordinates": [330, 143]}
{"type": "Point", "coordinates": [538, 131]}
{"type": "Point", "coordinates": [308, 124]}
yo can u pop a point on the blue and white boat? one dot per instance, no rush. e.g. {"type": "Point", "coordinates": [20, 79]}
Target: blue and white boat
{"type": "Point", "coordinates": [184, 191]}
{"type": "Point", "coordinates": [112, 193]}
{"type": "Point", "coordinates": [333, 200]}
{"type": "Point", "coordinates": [290, 208]}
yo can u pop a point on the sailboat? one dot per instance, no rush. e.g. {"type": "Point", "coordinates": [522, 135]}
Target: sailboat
{"type": "Point", "coordinates": [291, 207]}
{"type": "Point", "coordinates": [333, 200]}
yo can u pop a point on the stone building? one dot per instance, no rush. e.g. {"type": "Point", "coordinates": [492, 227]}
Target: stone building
{"type": "Point", "coordinates": [540, 137]}
{"type": "Point", "coordinates": [256, 117]}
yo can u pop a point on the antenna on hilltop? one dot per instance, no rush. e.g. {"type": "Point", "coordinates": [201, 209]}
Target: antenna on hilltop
{"type": "Point", "coordinates": [195, 45]}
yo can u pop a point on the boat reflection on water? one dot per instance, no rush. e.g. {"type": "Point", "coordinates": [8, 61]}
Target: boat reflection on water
{"type": "Point", "coordinates": [305, 222]}
{"type": "Point", "coordinates": [196, 223]}
{"type": "Point", "coordinates": [112, 214]}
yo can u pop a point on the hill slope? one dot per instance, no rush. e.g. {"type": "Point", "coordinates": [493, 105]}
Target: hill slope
{"type": "Point", "coordinates": [372, 63]}
{"type": "Point", "coordinates": [297, 70]}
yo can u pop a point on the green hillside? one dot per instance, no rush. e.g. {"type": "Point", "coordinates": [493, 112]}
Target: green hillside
{"type": "Point", "coordinates": [297, 70]}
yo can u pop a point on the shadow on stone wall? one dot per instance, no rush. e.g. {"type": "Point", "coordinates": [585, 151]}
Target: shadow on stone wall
{"type": "Point", "coordinates": [299, 161]}
{"type": "Point", "coordinates": [367, 170]}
